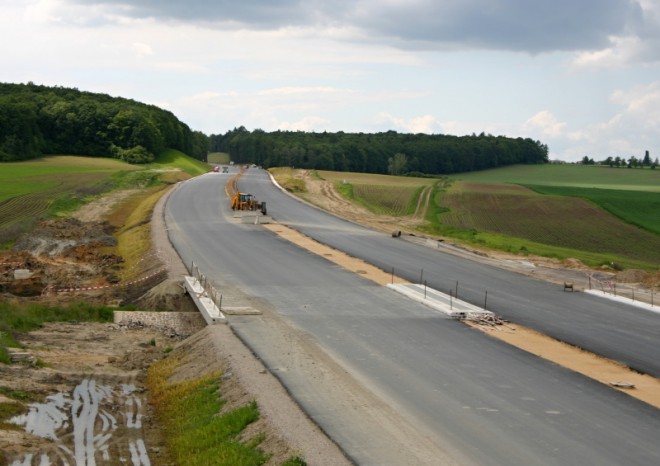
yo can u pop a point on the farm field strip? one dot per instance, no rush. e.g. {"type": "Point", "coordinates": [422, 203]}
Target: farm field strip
{"type": "Point", "coordinates": [636, 207]}
{"type": "Point", "coordinates": [374, 179]}
{"type": "Point", "coordinates": [389, 200]}
{"type": "Point", "coordinates": [28, 189]}
{"type": "Point", "coordinates": [582, 176]}
{"type": "Point", "coordinates": [21, 207]}
{"type": "Point", "coordinates": [557, 221]}
{"type": "Point", "coordinates": [384, 194]}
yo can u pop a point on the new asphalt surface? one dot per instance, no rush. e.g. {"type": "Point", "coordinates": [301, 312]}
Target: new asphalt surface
{"type": "Point", "coordinates": [478, 399]}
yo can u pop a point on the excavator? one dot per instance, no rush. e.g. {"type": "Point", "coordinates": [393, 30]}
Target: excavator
{"type": "Point", "coordinates": [243, 201]}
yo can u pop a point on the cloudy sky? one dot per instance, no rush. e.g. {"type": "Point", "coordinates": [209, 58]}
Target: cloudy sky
{"type": "Point", "coordinates": [582, 76]}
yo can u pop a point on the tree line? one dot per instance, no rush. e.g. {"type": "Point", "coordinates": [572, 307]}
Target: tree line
{"type": "Point", "coordinates": [39, 120]}
{"type": "Point", "coordinates": [387, 152]}
{"type": "Point", "coordinates": [631, 162]}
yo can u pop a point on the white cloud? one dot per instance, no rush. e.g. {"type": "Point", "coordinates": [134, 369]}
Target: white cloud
{"type": "Point", "coordinates": [421, 124]}
{"type": "Point", "coordinates": [545, 124]}
{"type": "Point", "coordinates": [639, 43]}
{"type": "Point", "coordinates": [288, 91]}
{"type": "Point", "coordinates": [142, 50]}
{"type": "Point", "coordinates": [630, 131]}
{"type": "Point", "coordinates": [308, 123]}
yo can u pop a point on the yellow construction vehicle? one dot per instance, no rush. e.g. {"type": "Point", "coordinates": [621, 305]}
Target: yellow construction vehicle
{"type": "Point", "coordinates": [243, 201]}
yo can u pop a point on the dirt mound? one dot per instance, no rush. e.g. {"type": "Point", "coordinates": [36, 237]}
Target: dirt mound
{"type": "Point", "coordinates": [572, 263]}
{"type": "Point", "coordinates": [631, 276]}
{"type": "Point", "coordinates": [169, 295]}
{"type": "Point", "coordinates": [58, 237]}
{"type": "Point", "coordinates": [652, 280]}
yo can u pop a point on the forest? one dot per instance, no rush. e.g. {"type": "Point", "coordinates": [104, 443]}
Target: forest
{"type": "Point", "coordinates": [40, 120]}
{"type": "Point", "coordinates": [389, 152]}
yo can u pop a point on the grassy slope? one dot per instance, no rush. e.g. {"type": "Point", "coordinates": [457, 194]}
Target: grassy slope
{"type": "Point", "coordinates": [492, 210]}
{"type": "Point", "coordinates": [47, 173]}
{"type": "Point", "coordinates": [640, 208]}
{"type": "Point", "coordinates": [560, 223]}
{"type": "Point", "coordinates": [515, 218]}
{"type": "Point", "coordinates": [382, 194]}
{"type": "Point", "coordinates": [172, 158]}
{"type": "Point", "coordinates": [38, 188]}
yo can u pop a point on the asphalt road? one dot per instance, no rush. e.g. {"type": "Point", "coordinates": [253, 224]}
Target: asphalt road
{"type": "Point", "coordinates": [614, 330]}
{"type": "Point", "coordinates": [476, 398]}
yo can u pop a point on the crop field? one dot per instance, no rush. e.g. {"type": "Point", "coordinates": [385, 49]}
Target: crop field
{"type": "Point", "coordinates": [373, 179]}
{"type": "Point", "coordinates": [561, 221]}
{"type": "Point", "coordinates": [28, 190]}
{"type": "Point", "coordinates": [583, 176]}
{"type": "Point", "coordinates": [388, 200]}
{"type": "Point", "coordinates": [382, 194]}
{"type": "Point", "coordinates": [641, 208]}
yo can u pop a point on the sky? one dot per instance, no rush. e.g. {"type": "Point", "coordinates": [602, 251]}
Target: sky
{"type": "Point", "coordinates": [582, 76]}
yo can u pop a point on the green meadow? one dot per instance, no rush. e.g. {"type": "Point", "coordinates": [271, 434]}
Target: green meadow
{"type": "Point", "coordinates": [600, 215]}
{"type": "Point", "coordinates": [596, 214]}
{"type": "Point", "coordinates": [35, 189]}
{"type": "Point", "coordinates": [579, 176]}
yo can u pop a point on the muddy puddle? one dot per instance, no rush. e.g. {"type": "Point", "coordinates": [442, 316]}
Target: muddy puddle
{"type": "Point", "coordinates": [98, 423]}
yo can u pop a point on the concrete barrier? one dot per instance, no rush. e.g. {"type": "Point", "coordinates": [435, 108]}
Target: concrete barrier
{"type": "Point", "coordinates": [204, 303]}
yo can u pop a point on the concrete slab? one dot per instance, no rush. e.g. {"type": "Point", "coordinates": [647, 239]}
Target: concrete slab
{"type": "Point", "coordinates": [454, 308]}
{"type": "Point", "coordinates": [648, 306]}
{"type": "Point", "coordinates": [204, 303]}
{"type": "Point", "coordinates": [241, 311]}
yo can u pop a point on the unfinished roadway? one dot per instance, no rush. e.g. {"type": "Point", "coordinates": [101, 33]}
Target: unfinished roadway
{"type": "Point", "coordinates": [391, 380]}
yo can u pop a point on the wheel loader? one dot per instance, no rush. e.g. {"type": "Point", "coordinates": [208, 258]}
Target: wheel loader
{"type": "Point", "coordinates": [243, 201]}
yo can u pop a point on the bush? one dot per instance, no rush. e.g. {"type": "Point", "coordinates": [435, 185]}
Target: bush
{"type": "Point", "coordinates": [137, 154]}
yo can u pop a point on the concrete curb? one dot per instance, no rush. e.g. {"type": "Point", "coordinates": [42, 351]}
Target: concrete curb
{"type": "Point", "coordinates": [210, 312]}
{"type": "Point", "coordinates": [452, 307]}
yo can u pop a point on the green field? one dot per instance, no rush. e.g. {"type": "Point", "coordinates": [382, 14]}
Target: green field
{"type": "Point", "coordinates": [600, 215]}
{"type": "Point", "coordinates": [640, 208]}
{"type": "Point", "coordinates": [382, 194]}
{"type": "Point", "coordinates": [579, 176]}
{"type": "Point", "coordinates": [172, 159]}
{"type": "Point", "coordinates": [558, 221]}
{"type": "Point", "coordinates": [35, 189]}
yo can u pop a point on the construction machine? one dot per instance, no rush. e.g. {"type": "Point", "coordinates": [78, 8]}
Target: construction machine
{"type": "Point", "coordinates": [243, 201]}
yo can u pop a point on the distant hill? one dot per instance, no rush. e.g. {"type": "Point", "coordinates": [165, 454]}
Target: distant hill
{"type": "Point", "coordinates": [39, 120]}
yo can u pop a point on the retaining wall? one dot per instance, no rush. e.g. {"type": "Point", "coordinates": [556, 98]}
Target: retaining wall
{"type": "Point", "coordinates": [183, 323]}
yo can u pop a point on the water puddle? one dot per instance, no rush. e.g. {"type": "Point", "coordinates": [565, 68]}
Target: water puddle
{"type": "Point", "coordinates": [96, 424]}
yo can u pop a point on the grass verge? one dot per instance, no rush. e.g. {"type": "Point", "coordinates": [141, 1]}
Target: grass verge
{"type": "Point", "coordinates": [197, 432]}
{"type": "Point", "coordinates": [134, 235]}
{"type": "Point", "coordinates": [285, 178]}
{"type": "Point", "coordinates": [173, 159]}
